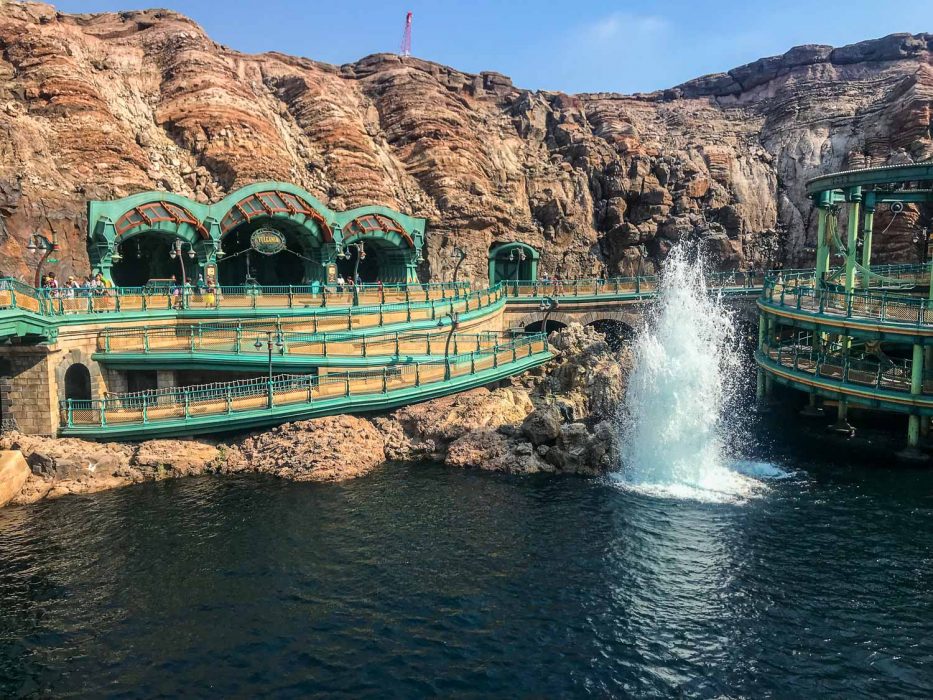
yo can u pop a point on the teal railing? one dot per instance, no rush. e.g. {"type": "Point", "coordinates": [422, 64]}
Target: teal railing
{"type": "Point", "coordinates": [238, 339]}
{"type": "Point", "coordinates": [890, 373]}
{"type": "Point", "coordinates": [58, 302]}
{"type": "Point", "coordinates": [252, 395]}
{"type": "Point", "coordinates": [802, 294]}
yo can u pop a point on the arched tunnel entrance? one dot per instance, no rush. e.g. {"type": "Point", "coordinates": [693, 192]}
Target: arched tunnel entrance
{"type": "Point", "coordinates": [538, 326]}
{"type": "Point", "coordinates": [241, 264]}
{"type": "Point", "coordinates": [147, 256]}
{"type": "Point", "coordinates": [382, 260]}
{"type": "Point", "coordinates": [78, 382]}
{"type": "Point", "coordinates": [616, 333]}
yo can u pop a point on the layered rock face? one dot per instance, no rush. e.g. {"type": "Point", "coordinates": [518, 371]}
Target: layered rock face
{"type": "Point", "coordinates": [101, 106]}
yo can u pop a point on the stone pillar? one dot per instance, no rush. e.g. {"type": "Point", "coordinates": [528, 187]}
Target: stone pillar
{"type": "Point", "coordinates": [166, 379]}
{"type": "Point", "coordinates": [32, 394]}
{"type": "Point", "coordinates": [854, 197]}
{"type": "Point", "coordinates": [842, 425]}
{"type": "Point", "coordinates": [812, 409]}
{"type": "Point", "coordinates": [867, 229]}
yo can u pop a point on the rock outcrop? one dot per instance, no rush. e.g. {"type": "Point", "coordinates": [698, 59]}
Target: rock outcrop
{"type": "Point", "coordinates": [14, 472]}
{"type": "Point", "coordinates": [101, 106]}
{"type": "Point", "coordinates": [334, 448]}
{"type": "Point", "coordinates": [562, 421]}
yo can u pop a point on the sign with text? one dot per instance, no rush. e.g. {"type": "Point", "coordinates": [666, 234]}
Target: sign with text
{"type": "Point", "coordinates": [267, 241]}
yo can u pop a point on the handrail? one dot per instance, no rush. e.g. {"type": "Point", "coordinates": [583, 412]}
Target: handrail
{"type": "Point", "coordinates": [886, 307]}
{"type": "Point", "coordinates": [894, 375]}
{"type": "Point", "coordinates": [61, 302]}
{"type": "Point", "coordinates": [250, 395]}
{"type": "Point", "coordinates": [238, 340]}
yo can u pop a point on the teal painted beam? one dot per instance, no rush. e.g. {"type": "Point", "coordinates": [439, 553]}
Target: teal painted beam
{"type": "Point", "coordinates": [870, 176]}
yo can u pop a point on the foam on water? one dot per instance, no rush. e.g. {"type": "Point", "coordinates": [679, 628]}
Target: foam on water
{"type": "Point", "coordinates": [682, 421]}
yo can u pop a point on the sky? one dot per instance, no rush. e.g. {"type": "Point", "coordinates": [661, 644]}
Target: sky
{"type": "Point", "coordinates": [566, 45]}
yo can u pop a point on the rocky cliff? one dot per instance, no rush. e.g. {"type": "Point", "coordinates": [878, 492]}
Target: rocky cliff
{"type": "Point", "coordinates": [100, 106]}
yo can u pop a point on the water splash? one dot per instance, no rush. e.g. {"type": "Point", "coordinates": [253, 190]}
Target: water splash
{"type": "Point", "coordinates": [682, 418]}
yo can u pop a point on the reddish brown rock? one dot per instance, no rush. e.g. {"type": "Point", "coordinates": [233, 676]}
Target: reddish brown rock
{"type": "Point", "coordinates": [323, 449]}
{"type": "Point", "coordinates": [99, 106]}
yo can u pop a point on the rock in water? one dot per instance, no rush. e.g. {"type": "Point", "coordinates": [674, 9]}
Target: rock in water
{"type": "Point", "coordinates": [13, 474]}
{"type": "Point", "coordinates": [322, 449]}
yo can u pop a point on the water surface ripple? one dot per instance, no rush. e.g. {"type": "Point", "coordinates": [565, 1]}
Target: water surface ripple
{"type": "Point", "coordinates": [417, 581]}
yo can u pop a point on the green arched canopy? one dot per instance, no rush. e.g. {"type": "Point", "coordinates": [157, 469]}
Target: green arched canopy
{"type": "Point", "coordinates": [218, 232]}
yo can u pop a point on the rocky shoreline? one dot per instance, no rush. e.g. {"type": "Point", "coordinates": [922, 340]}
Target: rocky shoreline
{"type": "Point", "coordinates": [557, 419]}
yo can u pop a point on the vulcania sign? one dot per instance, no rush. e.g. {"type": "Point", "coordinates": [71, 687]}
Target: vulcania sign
{"type": "Point", "coordinates": [267, 241]}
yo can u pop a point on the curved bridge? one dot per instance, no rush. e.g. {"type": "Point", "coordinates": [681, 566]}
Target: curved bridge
{"type": "Point", "coordinates": [366, 348]}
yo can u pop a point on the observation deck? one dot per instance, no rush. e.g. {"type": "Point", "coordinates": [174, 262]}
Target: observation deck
{"type": "Point", "coordinates": [857, 334]}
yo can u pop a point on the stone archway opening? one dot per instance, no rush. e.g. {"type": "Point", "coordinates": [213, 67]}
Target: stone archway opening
{"type": "Point", "coordinates": [617, 333]}
{"type": "Point", "coordinates": [241, 264]}
{"type": "Point", "coordinates": [538, 326]}
{"type": "Point", "coordinates": [78, 382]}
{"type": "Point", "coordinates": [147, 256]}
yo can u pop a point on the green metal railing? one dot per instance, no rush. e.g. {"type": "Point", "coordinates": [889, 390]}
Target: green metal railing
{"type": "Point", "coordinates": [800, 291]}
{"type": "Point", "coordinates": [892, 374]}
{"type": "Point", "coordinates": [619, 286]}
{"type": "Point", "coordinates": [58, 302]}
{"type": "Point", "coordinates": [61, 302]}
{"type": "Point", "coordinates": [240, 339]}
{"type": "Point", "coordinates": [251, 395]}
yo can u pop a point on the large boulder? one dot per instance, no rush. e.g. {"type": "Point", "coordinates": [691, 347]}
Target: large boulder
{"type": "Point", "coordinates": [70, 458]}
{"type": "Point", "coordinates": [13, 474]}
{"type": "Point", "coordinates": [543, 425]}
{"type": "Point", "coordinates": [159, 458]}
{"type": "Point", "coordinates": [323, 449]}
{"type": "Point", "coordinates": [447, 419]}
{"type": "Point", "coordinates": [588, 379]}
{"type": "Point", "coordinates": [493, 451]}
{"type": "Point", "coordinates": [583, 450]}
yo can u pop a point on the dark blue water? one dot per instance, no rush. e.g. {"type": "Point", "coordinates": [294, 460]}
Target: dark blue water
{"type": "Point", "coordinates": [421, 580]}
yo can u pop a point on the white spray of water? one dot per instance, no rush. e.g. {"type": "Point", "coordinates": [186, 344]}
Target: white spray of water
{"type": "Point", "coordinates": [678, 418]}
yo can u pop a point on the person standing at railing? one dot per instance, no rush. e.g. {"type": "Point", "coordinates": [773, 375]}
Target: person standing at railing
{"type": "Point", "coordinates": [558, 284]}
{"type": "Point", "coordinates": [52, 286]}
{"type": "Point", "coordinates": [177, 302]}
{"type": "Point", "coordinates": [210, 296]}
{"type": "Point", "coordinates": [71, 287]}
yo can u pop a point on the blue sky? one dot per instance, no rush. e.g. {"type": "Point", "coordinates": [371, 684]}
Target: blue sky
{"type": "Point", "coordinates": [574, 46]}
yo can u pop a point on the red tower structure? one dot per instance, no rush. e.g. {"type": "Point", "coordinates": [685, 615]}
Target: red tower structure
{"type": "Point", "coordinates": [405, 49]}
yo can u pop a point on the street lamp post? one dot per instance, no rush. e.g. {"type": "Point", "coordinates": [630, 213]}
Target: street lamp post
{"type": "Point", "coordinates": [460, 254]}
{"type": "Point", "coordinates": [548, 304]}
{"type": "Point", "coordinates": [176, 252]}
{"type": "Point", "coordinates": [279, 344]}
{"type": "Point", "coordinates": [360, 255]}
{"type": "Point", "coordinates": [39, 242]}
{"type": "Point", "coordinates": [454, 325]}
{"type": "Point", "coordinates": [520, 257]}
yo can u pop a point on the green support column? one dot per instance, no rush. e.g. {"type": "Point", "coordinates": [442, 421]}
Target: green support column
{"type": "Point", "coordinates": [916, 388]}
{"type": "Point", "coordinates": [853, 197]}
{"type": "Point", "coordinates": [822, 249]}
{"type": "Point", "coordinates": [867, 228]}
